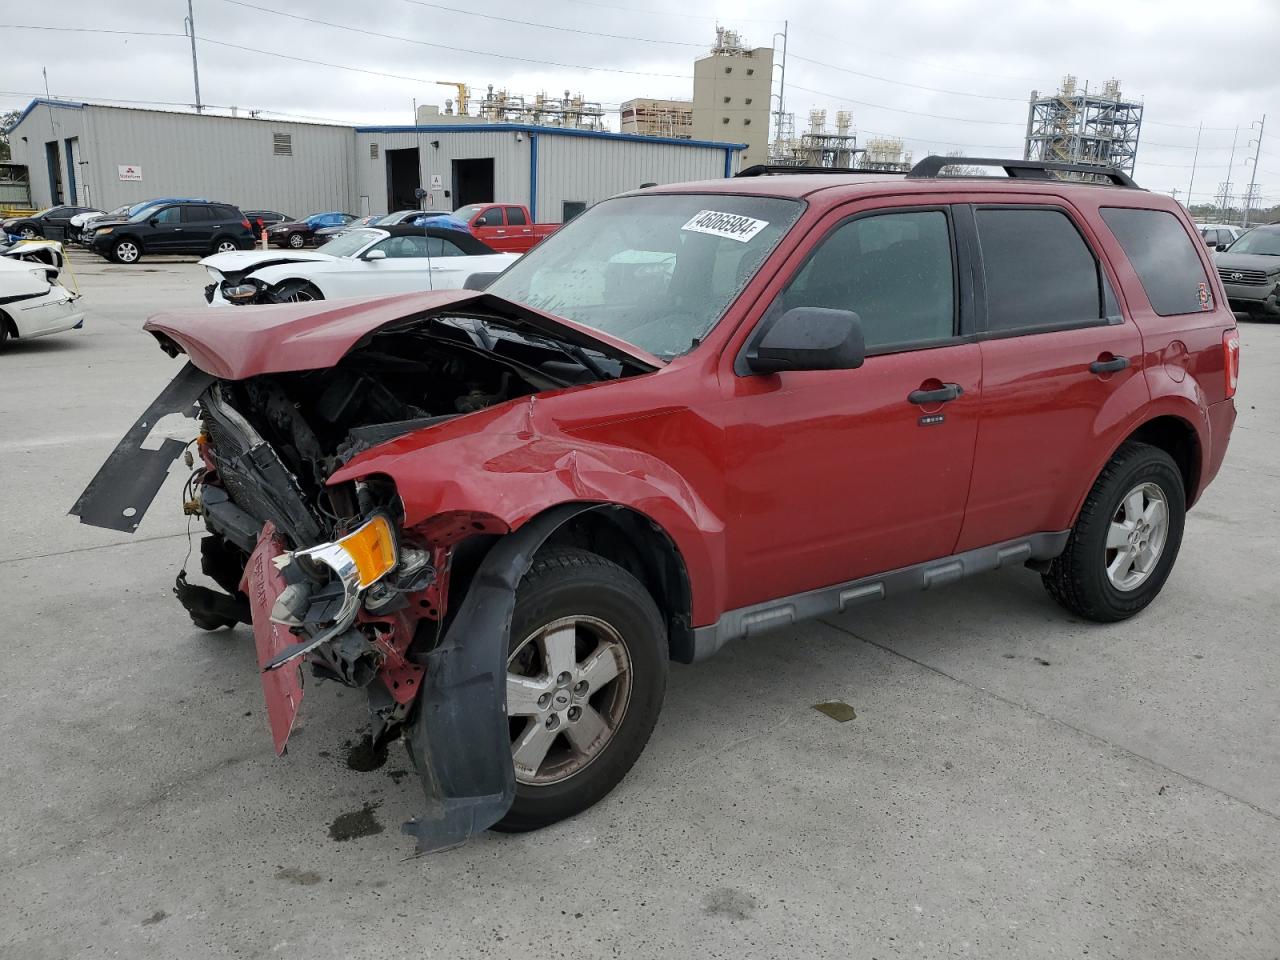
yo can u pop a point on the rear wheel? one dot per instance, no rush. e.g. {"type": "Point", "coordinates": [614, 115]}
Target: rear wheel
{"type": "Point", "coordinates": [5, 332]}
{"type": "Point", "coordinates": [225, 245]}
{"type": "Point", "coordinates": [126, 251]}
{"type": "Point", "coordinates": [297, 291]}
{"type": "Point", "coordinates": [585, 681]}
{"type": "Point", "coordinates": [1126, 538]}
{"type": "Point", "coordinates": [297, 241]}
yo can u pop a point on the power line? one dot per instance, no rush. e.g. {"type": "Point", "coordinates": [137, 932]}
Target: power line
{"type": "Point", "coordinates": [900, 83]}
{"type": "Point", "coordinates": [530, 23]}
{"type": "Point", "coordinates": [914, 113]}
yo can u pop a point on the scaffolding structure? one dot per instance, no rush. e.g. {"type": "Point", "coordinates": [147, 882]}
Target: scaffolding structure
{"type": "Point", "coordinates": [499, 106]}
{"type": "Point", "coordinates": [658, 118]}
{"type": "Point", "coordinates": [886, 153]}
{"type": "Point", "coordinates": [817, 147]}
{"type": "Point", "coordinates": [1075, 126]}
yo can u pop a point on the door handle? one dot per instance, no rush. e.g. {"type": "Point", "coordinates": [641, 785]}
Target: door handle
{"type": "Point", "coordinates": [502, 231]}
{"type": "Point", "coordinates": [1109, 366]}
{"type": "Point", "coordinates": [945, 393]}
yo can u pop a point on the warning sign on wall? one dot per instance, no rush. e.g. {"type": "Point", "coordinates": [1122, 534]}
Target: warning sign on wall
{"type": "Point", "coordinates": [437, 182]}
{"type": "Point", "coordinates": [130, 172]}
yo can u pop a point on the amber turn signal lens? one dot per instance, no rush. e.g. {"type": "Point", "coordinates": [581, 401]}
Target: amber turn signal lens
{"type": "Point", "coordinates": [372, 548]}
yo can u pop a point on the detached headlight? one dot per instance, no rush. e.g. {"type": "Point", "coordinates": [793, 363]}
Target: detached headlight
{"type": "Point", "coordinates": [104, 230]}
{"type": "Point", "coordinates": [240, 291]}
{"type": "Point", "coordinates": [325, 583]}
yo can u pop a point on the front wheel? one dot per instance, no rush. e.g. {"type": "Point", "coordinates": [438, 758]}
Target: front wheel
{"type": "Point", "coordinates": [28, 233]}
{"type": "Point", "coordinates": [297, 241]}
{"type": "Point", "coordinates": [1126, 538]}
{"type": "Point", "coordinates": [586, 676]}
{"type": "Point", "coordinates": [126, 251]}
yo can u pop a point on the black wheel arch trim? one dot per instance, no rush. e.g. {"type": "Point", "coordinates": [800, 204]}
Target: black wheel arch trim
{"type": "Point", "coordinates": [458, 735]}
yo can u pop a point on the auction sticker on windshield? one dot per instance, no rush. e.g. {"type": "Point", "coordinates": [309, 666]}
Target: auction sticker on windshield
{"type": "Point", "coordinates": [731, 226]}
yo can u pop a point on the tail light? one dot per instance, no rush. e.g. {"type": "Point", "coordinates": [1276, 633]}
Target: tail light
{"type": "Point", "coordinates": [246, 224]}
{"type": "Point", "coordinates": [1231, 359]}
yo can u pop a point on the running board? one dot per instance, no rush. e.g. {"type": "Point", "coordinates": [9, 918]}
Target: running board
{"type": "Point", "coordinates": [787, 611]}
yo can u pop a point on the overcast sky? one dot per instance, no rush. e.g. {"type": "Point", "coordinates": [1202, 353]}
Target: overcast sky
{"type": "Point", "coordinates": [1188, 60]}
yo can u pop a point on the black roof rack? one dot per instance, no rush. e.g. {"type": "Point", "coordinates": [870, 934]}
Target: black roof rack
{"type": "Point", "coordinates": [1024, 169]}
{"type": "Point", "coordinates": [776, 169]}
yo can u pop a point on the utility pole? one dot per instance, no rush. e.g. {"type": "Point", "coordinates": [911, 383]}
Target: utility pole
{"type": "Point", "coordinates": [190, 25]}
{"type": "Point", "coordinates": [1194, 160]}
{"type": "Point", "coordinates": [1226, 187]}
{"type": "Point", "coordinates": [1253, 178]}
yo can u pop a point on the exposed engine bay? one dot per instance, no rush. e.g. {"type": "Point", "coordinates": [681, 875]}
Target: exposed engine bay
{"type": "Point", "coordinates": [328, 574]}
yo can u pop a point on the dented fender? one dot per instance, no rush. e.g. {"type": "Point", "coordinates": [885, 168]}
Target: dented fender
{"type": "Point", "coordinates": [512, 463]}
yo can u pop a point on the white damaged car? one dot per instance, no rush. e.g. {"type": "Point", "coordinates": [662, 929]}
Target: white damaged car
{"type": "Point", "coordinates": [366, 262]}
{"type": "Point", "coordinates": [32, 301]}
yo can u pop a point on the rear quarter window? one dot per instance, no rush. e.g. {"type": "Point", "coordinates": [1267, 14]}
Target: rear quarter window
{"type": "Point", "coordinates": [1164, 258]}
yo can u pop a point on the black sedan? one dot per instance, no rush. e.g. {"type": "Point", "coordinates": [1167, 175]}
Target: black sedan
{"type": "Point", "coordinates": [51, 224]}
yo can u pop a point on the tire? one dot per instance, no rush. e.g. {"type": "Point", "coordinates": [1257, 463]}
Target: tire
{"type": "Point", "coordinates": [613, 624]}
{"type": "Point", "coordinates": [1131, 486]}
{"type": "Point", "coordinates": [225, 245]}
{"type": "Point", "coordinates": [29, 233]}
{"type": "Point", "coordinates": [296, 291]}
{"type": "Point", "coordinates": [5, 332]}
{"type": "Point", "coordinates": [297, 241]}
{"type": "Point", "coordinates": [126, 251]}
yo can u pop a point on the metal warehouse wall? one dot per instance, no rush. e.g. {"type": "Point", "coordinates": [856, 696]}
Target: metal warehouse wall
{"type": "Point", "coordinates": [188, 155]}
{"type": "Point", "coordinates": [570, 167]}
{"type": "Point", "coordinates": [218, 158]}
{"type": "Point", "coordinates": [591, 169]}
{"type": "Point", "coordinates": [42, 124]}
{"type": "Point", "coordinates": [510, 163]}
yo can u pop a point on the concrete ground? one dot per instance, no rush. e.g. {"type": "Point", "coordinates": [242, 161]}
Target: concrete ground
{"type": "Point", "coordinates": [1016, 784]}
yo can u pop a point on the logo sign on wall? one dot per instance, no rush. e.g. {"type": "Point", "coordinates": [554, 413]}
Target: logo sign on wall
{"type": "Point", "coordinates": [130, 172]}
{"type": "Point", "coordinates": [437, 182]}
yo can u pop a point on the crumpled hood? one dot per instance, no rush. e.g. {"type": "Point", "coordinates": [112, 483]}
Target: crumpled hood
{"type": "Point", "coordinates": [245, 261]}
{"type": "Point", "coordinates": [285, 337]}
{"type": "Point", "coordinates": [1247, 261]}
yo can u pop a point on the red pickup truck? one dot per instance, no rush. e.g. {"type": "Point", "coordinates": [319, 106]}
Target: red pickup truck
{"type": "Point", "coordinates": [501, 513]}
{"type": "Point", "coordinates": [507, 227]}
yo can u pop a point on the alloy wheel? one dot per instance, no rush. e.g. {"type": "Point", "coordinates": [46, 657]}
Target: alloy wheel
{"type": "Point", "coordinates": [296, 241]}
{"type": "Point", "coordinates": [26, 233]}
{"type": "Point", "coordinates": [1136, 537]}
{"type": "Point", "coordinates": [568, 687]}
{"type": "Point", "coordinates": [226, 246]}
{"type": "Point", "coordinates": [126, 251]}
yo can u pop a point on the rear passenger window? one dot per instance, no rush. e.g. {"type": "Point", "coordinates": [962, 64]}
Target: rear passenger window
{"type": "Point", "coordinates": [197, 214]}
{"type": "Point", "coordinates": [893, 269]}
{"type": "Point", "coordinates": [515, 217]}
{"type": "Point", "coordinates": [1039, 271]}
{"type": "Point", "coordinates": [1164, 258]}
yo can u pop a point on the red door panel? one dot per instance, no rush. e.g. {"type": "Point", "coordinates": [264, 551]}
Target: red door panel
{"type": "Point", "coordinates": [832, 475]}
{"type": "Point", "coordinates": [1044, 415]}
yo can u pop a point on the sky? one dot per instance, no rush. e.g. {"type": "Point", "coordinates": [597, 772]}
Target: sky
{"type": "Point", "coordinates": [944, 75]}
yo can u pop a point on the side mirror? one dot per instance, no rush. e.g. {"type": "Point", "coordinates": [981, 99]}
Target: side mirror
{"type": "Point", "coordinates": [1221, 247]}
{"type": "Point", "coordinates": [808, 338]}
{"type": "Point", "coordinates": [154, 221]}
{"type": "Point", "coordinates": [376, 255]}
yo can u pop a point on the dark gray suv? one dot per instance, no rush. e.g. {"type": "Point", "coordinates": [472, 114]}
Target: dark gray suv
{"type": "Point", "coordinates": [199, 228]}
{"type": "Point", "coordinates": [1250, 271]}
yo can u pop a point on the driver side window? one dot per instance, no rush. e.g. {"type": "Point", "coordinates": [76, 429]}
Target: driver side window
{"type": "Point", "coordinates": [168, 215]}
{"type": "Point", "coordinates": [894, 270]}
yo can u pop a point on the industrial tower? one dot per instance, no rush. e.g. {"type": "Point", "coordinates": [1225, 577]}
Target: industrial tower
{"type": "Point", "coordinates": [1075, 126]}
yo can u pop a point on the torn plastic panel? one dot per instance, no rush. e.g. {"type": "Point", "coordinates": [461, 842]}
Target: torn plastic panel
{"type": "Point", "coordinates": [458, 738]}
{"type": "Point", "coordinates": [125, 485]}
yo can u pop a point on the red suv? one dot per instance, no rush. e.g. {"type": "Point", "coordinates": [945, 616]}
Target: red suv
{"type": "Point", "coordinates": [694, 413]}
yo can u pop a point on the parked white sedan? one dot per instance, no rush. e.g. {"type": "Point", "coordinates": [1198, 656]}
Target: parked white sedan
{"type": "Point", "coordinates": [32, 301]}
{"type": "Point", "coordinates": [367, 262]}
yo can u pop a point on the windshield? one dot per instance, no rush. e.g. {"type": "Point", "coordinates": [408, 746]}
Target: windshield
{"type": "Point", "coordinates": [466, 213]}
{"type": "Point", "coordinates": [655, 270]}
{"type": "Point", "coordinates": [346, 244]}
{"type": "Point", "coordinates": [1264, 242]}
